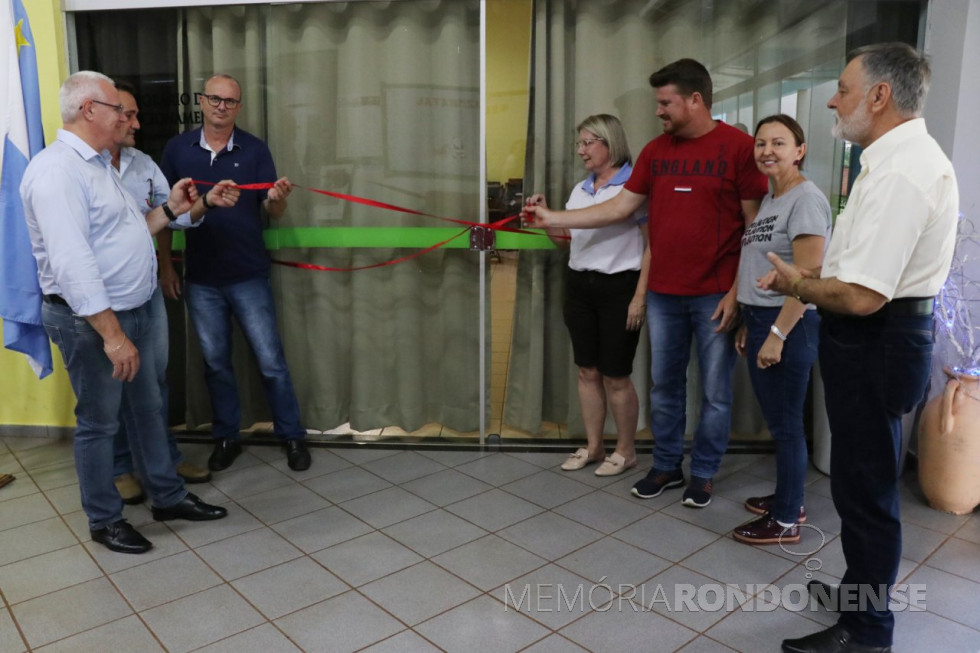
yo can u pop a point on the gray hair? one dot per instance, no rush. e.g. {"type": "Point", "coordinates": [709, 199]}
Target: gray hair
{"type": "Point", "coordinates": [900, 66]}
{"type": "Point", "coordinates": [610, 130]}
{"type": "Point", "coordinates": [76, 89]}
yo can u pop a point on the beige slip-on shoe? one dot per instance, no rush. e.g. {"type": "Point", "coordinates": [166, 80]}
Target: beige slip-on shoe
{"type": "Point", "coordinates": [615, 465]}
{"type": "Point", "coordinates": [577, 460]}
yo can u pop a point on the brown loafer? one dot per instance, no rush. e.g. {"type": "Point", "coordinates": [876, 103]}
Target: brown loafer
{"type": "Point", "coordinates": [6, 479]}
{"type": "Point", "coordinates": [761, 505]}
{"type": "Point", "coordinates": [192, 473]}
{"type": "Point", "coordinates": [766, 530]}
{"type": "Point", "coordinates": [130, 490]}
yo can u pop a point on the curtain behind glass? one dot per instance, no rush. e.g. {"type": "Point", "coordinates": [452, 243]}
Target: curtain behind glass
{"type": "Point", "coordinates": [592, 57]}
{"type": "Point", "coordinates": [380, 100]}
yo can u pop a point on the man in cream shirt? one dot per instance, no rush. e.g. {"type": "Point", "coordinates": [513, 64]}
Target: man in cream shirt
{"type": "Point", "coordinates": [888, 257]}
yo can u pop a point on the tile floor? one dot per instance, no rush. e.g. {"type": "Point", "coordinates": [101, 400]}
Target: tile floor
{"type": "Point", "coordinates": [395, 550]}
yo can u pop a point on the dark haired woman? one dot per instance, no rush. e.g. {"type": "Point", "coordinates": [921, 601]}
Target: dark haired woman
{"type": "Point", "coordinates": [779, 334]}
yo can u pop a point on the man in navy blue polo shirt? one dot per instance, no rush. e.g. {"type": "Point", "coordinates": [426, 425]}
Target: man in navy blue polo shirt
{"type": "Point", "coordinates": [227, 270]}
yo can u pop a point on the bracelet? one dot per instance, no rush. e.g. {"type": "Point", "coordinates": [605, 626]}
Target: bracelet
{"type": "Point", "coordinates": [116, 348]}
{"type": "Point", "coordinates": [204, 200]}
{"type": "Point", "coordinates": [795, 290]}
{"type": "Point", "coordinates": [777, 332]}
{"type": "Point", "coordinates": [169, 212]}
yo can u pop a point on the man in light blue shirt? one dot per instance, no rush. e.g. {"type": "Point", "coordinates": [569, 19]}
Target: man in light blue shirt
{"type": "Point", "coordinates": [145, 182]}
{"type": "Point", "coordinates": [97, 270]}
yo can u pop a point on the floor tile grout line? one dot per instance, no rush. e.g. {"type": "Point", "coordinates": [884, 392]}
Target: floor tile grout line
{"type": "Point", "coordinates": [57, 515]}
{"type": "Point", "coordinates": [225, 581]}
{"type": "Point", "coordinates": [13, 618]}
{"type": "Point", "coordinates": [106, 576]}
{"type": "Point", "coordinates": [495, 533]}
{"type": "Point", "coordinates": [947, 536]}
{"type": "Point", "coordinates": [410, 629]}
{"type": "Point", "coordinates": [925, 563]}
{"type": "Point", "coordinates": [230, 585]}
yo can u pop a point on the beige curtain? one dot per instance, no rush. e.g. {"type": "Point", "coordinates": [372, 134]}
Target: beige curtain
{"type": "Point", "coordinates": [591, 57]}
{"type": "Point", "coordinates": [380, 100]}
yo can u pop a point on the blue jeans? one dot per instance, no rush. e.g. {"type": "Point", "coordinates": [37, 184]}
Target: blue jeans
{"type": "Point", "coordinates": [672, 321]}
{"type": "Point", "coordinates": [158, 341]}
{"type": "Point", "coordinates": [781, 391]}
{"type": "Point", "coordinates": [875, 370]}
{"type": "Point", "coordinates": [251, 303]}
{"type": "Point", "coordinates": [102, 402]}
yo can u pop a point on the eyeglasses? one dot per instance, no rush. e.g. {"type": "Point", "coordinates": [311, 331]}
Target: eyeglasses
{"type": "Point", "coordinates": [216, 100]}
{"type": "Point", "coordinates": [586, 142]}
{"type": "Point", "coordinates": [118, 108]}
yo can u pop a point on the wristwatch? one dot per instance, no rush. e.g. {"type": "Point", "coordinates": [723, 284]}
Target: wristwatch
{"type": "Point", "coordinates": [169, 212]}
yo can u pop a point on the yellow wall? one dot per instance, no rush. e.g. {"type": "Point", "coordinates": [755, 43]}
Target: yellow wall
{"type": "Point", "coordinates": [48, 25]}
{"type": "Point", "coordinates": [508, 68]}
{"type": "Point", "coordinates": [25, 400]}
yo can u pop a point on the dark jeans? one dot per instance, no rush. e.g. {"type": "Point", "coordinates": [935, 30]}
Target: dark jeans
{"type": "Point", "coordinates": [251, 303]}
{"type": "Point", "coordinates": [102, 402]}
{"type": "Point", "coordinates": [875, 370]}
{"type": "Point", "coordinates": [781, 391]}
{"type": "Point", "coordinates": [158, 340]}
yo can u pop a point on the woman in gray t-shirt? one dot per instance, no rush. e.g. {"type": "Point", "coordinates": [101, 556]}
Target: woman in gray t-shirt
{"type": "Point", "coordinates": [779, 334]}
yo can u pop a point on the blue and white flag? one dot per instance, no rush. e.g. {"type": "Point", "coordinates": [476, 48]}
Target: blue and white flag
{"type": "Point", "coordinates": [21, 137]}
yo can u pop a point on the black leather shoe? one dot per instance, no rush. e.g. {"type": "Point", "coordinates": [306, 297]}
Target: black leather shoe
{"type": "Point", "coordinates": [297, 455]}
{"type": "Point", "coordinates": [224, 454]}
{"type": "Point", "coordinates": [826, 596]}
{"type": "Point", "coordinates": [190, 508]}
{"type": "Point", "coordinates": [122, 537]}
{"type": "Point", "coordinates": [835, 639]}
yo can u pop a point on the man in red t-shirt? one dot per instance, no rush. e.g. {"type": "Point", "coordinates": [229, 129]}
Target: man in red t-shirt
{"type": "Point", "coordinates": [702, 185]}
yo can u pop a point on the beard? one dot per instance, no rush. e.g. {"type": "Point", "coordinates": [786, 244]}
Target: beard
{"type": "Point", "coordinates": [855, 127]}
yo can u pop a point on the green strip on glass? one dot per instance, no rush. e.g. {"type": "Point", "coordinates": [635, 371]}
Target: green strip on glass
{"type": "Point", "coordinates": [382, 237]}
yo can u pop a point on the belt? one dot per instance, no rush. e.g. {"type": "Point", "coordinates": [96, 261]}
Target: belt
{"type": "Point", "coordinates": [55, 299]}
{"type": "Point", "coordinates": [909, 306]}
{"type": "Point", "coordinates": [605, 274]}
{"type": "Point", "coordinates": [901, 307]}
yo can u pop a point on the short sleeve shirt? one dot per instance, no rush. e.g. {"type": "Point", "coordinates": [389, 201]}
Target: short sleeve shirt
{"type": "Point", "coordinates": [802, 211]}
{"type": "Point", "coordinates": [610, 249]}
{"type": "Point", "coordinates": [228, 247]}
{"type": "Point", "coordinates": [897, 233]}
{"type": "Point", "coordinates": [695, 189]}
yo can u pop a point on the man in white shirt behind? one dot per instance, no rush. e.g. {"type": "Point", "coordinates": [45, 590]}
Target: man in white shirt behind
{"type": "Point", "coordinates": [144, 180]}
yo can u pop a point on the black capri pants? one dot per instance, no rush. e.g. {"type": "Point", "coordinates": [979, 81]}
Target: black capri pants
{"type": "Point", "coordinates": [595, 309]}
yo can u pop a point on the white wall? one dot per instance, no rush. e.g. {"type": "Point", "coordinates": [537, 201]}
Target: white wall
{"type": "Point", "coordinates": [953, 44]}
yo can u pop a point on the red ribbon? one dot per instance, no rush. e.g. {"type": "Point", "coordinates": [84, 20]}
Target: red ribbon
{"type": "Point", "coordinates": [499, 225]}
